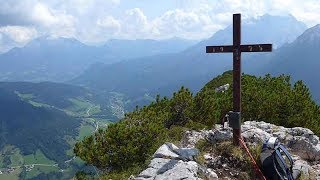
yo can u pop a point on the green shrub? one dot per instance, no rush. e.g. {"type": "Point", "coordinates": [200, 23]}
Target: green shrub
{"type": "Point", "coordinates": [133, 140]}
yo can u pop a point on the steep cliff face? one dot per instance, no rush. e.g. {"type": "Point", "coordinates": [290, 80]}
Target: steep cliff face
{"type": "Point", "coordinates": [216, 157]}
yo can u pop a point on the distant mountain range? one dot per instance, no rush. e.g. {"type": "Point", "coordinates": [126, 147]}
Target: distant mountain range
{"type": "Point", "coordinates": [299, 59]}
{"type": "Point", "coordinates": [192, 67]}
{"type": "Point", "coordinates": [61, 59]}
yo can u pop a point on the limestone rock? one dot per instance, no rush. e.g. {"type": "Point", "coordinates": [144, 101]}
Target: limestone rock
{"type": "Point", "coordinates": [190, 138]}
{"type": "Point", "coordinates": [181, 170]}
{"type": "Point", "coordinates": [207, 157]}
{"type": "Point", "coordinates": [187, 153]}
{"type": "Point", "coordinates": [211, 175]}
{"type": "Point", "coordinates": [171, 151]}
{"type": "Point", "coordinates": [218, 135]}
{"type": "Point", "coordinates": [301, 141]}
{"type": "Point", "coordinates": [222, 88]}
{"type": "Point", "coordinates": [300, 167]}
{"type": "Point", "coordinates": [305, 147]}
{"type": "Point", "coordinates": [158, 166]}
{"type": "Point", "coordinates": [165, 151]}
{"type": "Point", "coordinates": [256, 135]}
{"type": "Point", "coordinates": [171, 162]}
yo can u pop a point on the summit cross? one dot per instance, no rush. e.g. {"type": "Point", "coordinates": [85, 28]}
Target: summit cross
{"type": "Point", "coordinates": [236, 49]}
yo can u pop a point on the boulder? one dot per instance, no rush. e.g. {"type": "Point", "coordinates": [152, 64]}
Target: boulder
{"type": "Point", "coordinates": [170, 162]}
{"type": "Point", "coordinates": [158, 166]}
{"type": "Point", "coordinates": [181, 170]}
{"type": "Point", "coordinates": [301, 141]}
{"type": "Point", "coordinates": [256, 135]}
{"type": "Point", "coordinates": [165, 151]}
{"type": "Point", "coordinates": [171, 151]}
{"type": "Point", "coordinates": [300, 167]}
{"type": "Point", "coordinates": [187, 153]}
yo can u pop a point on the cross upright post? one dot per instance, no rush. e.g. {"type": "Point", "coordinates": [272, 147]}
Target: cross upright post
{"type": "Point", "coordinates": [236, 73]}
{"type": "Point", "coordinates": [236, 49]}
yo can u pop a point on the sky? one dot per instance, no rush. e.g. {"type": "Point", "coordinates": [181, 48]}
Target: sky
{"type": "Point", "coordinates": [96, 21]}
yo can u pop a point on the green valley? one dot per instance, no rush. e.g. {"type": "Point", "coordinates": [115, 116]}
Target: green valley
{"type": "Point", "coordinates": [40, 124]}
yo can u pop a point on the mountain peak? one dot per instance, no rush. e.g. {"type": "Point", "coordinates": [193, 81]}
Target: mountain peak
{"type": "Point", "coordinates": [280, 30]}
{"type": "Point", "coordinates": [270, 16]}
{"type": "Point", "coordinates": [311, 35]}
{"type": "Point", "coordinates": [49, 42]}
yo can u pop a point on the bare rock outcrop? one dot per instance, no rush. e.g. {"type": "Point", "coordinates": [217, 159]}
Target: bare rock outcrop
{"type": "Point", "coordinates": [172, 162]}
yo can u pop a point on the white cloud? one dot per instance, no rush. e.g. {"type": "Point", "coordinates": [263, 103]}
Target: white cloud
{"type": "Point", "coordinates": [95, 21]}
{"type": "Point", "coordinates": [43, 15]}
{"type": "Point", "coordinates": [15, 36]}
{"type": "Point", "coordinates": [56, 23]}
{"type": "Point", "coordinates": [18, 33]}
{"type": "Point", "coordinates": [109, 24]}
{"type": "Point", "coordinates": [102, 30]}
{"type": "Point", "coordinates": [187, 24]}
{"type": "Point", "coordinates": [86, 7]}
{"type": "Point", "coordinates": [135, 24]}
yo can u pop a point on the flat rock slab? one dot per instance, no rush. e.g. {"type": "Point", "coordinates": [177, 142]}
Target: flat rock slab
{"type": "Point", "coordinates": [171, 151]}
{"type": "Point", "coordinates": [165, 151]}
{"type": "Point", "coordinates": [172, 163]}
{"type": "Point", "coordinates": [181, 170]}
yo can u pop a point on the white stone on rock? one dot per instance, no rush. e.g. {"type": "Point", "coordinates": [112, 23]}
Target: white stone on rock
{"type": "Point", "coordinates": [300, 167]}
{"type": "Point", "coordinates": [207, 157]}
{"type": "Point", "coordinates": [165, 151]}
{"type": "Point", "coordinates": [171, 151]}
{"type": "Point", "coordinates": [158, 163]}
{"type": "Point", "coordinates": [302, 147]}
{"type": "Point", "coordinates": [190, 138]}
{"type": "Point", "coordinates": [281, 135]}
{"type": "Point", "coordinates": [301, 141]}
{"type": "Point", "coordinates": [148, 173]}
{"type": "Point", "coordinates": [171, 162]}
{"type": "Point", "coordinates": [182, 170]}
{"type": "Point", "coordinates": [162, 165]}
{"type": "Point", "coordinates": [299, 131]}
{"type": "Point", "coordinates": [211, 175]}
{"type": "Point", "coordinates": [256, 135]}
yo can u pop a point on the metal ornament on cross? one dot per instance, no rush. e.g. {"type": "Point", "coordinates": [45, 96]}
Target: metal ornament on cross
{"type": "Point", "coordinates": [237, 49]}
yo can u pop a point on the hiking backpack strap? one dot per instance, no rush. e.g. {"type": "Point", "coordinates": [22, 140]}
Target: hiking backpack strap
{"type": "Point", "coordinates": [280, 165]}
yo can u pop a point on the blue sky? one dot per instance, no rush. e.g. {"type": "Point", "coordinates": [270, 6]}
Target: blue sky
{"type": "Point", "coordinates": [96, 21]}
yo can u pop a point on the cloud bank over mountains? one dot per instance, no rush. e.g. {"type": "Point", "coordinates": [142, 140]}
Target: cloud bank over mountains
{"type": "Point", "coordinates": [96, 21]}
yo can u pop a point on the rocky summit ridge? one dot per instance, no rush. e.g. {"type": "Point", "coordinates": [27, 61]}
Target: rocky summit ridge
{"type": "Point", "coordinates": [173, 162]}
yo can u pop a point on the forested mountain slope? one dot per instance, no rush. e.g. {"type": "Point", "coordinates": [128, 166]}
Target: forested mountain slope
{"type": "Point", "coordinates": [33, 128]}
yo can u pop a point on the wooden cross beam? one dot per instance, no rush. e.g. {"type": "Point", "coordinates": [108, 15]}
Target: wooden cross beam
{"type": "Point", "coordinates": [236, 49]}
